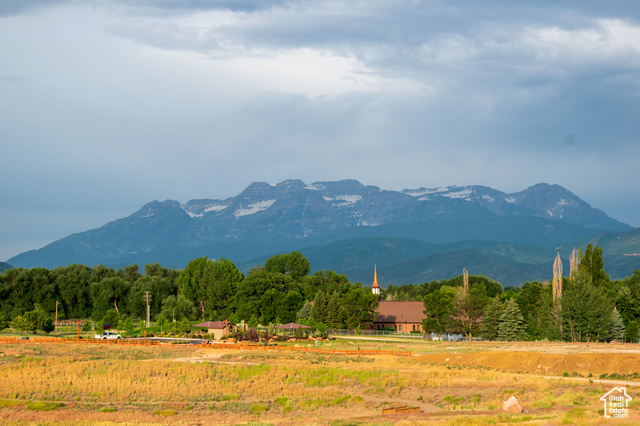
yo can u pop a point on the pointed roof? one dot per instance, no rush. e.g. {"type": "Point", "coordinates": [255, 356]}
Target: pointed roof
{"type": "Point", "coordinates": [214, 325]}
{"type": "Point", "coordinates": [375, 278]}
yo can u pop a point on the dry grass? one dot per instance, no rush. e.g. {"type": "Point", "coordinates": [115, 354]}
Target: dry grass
{"type": "Point", "coordinates": [113, 384]}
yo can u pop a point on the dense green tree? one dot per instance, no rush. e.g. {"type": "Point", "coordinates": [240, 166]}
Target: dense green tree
{"type": "Point", "coordinates": [111, 317]}
{"type": "Point", "coordinates": [438, 307]}
{"type": "Point", "coordinates": [161, 321]}
{"type": "Point", "coordinates": [536, 305]}
{"type": "Point", "coordinates": [23, 324]}
{"type": "Point", "coordinates": [293, 264]}
{"type": "Point", "coordinates": [633, 331]}
{"type": "Point", "coordinates": [492, 287]}
{"type": "Point", "coordinates": [359, 307]}
{"type": "Point", "coordinates": [326, 281]}
{"type": "Point", "coordinates": [100, 272]}
{"type": "Point", "coordinates": [404, 292]}
{"type": "Point", "coordinates": [3, 322]}
{"type": "Point", "coordinates": [586, 310]}
{"type": "Point", "coordinates": [256, 284]}
{"type": "Point", "coordinates": [130, 273]}
{"type": "Point", "coordinates": [159, 288]}
{"type": "Point", "coordinates": [129, 327]}
{"type": "Point", "coordinates": [511, 326]}
{"type": "Point", "coordinates": [87, 326]}
{"type": "Point", "coordinates": [40, 319]}
{"type": "Point", "coordinates": [334, 311]}
{"type": "Point", "coordinates": [289, 307]}
{"type": "Point", "coordinates": [469, 308]}
{"type": "Point", "coordinates": [491, 319]}
{"type": "Point", "coordinates": [72, 281]}
{"type": "Point", "coordinates": [320, 306]}
{"type": "Point", "coordinates": [627, 297]}
{"type": "Point", "coordinates": [177, 308]}
{"type": "Point", "coordinates": [110, 293]}
{"type": "Point", "coordinates": [269, 305]}
{"type": "Point", "coordinates": [223, 278]}
{"type": "Point", "coordinates": [592, 266]}
{"type": "Point", "coordinates": [617, 330]}
{"type": "Point", "coordinates": [193, 284]}
{"type": "Point", "coordinates": [45, 289]}
{"type": "Point", "coordinates": [253, 321]}
{"type": "Point", "coordinates": [304, 313]}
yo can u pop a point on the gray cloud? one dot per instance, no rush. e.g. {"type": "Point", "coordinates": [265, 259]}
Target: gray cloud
{"type": "Point", "coordinates": [108, 106]}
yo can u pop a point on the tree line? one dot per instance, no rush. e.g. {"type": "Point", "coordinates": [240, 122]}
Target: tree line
{"type": "Point", "coordinates": [207, 289]}
{"type": "Point", "coordinates": [586, 306]}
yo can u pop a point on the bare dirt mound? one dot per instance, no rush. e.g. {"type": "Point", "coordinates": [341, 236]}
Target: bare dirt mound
{"type": "Point", "coordinates": [542, 363]}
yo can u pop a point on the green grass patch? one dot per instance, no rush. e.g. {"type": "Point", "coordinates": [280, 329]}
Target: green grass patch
{"type": "Point", "coordinates": [44, 406]}
{"type": "Point", "coordinates": [166, 413]}
{"type": "Point", "coordinates": [107, 410]}
{"type": "Point", "coordinates": [252, 371]}
{"type": "Point", "coordinates": [259, 408]}
{"type": "Point", "coordinates": [9, 403]}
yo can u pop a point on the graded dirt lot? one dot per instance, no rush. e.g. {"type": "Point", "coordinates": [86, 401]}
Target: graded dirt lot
{"type": "Point", "coordinates": [450, 383]}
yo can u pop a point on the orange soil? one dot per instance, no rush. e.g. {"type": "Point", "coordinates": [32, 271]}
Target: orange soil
{"type": "Point", "coordinates": [543, 363]}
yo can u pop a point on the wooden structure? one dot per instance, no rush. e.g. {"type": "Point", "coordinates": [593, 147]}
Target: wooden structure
{"type": "Point", "coordinates": [400, 409]}
{"type": "Point", "coordinates": [218, 329]}
{"type": "Point", "coordinates": [401, 315]}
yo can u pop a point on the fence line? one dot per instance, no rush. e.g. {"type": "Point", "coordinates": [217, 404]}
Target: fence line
{"type": "Point", "coordinates": [241, 347]}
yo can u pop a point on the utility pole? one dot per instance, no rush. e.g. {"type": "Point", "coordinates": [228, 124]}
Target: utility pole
{"type": "Point", "coordinates": [147, 298]}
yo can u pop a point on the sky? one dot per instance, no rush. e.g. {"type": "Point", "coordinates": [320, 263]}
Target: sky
{"type": "Point", "coordinates": [109, 104]}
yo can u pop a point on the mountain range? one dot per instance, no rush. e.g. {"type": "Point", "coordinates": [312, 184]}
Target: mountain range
{"type": "Point", "coordinates": [413, 235]}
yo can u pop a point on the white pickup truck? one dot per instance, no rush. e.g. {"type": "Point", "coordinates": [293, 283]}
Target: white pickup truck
{"type": "Point", "coordinates": [110, 335]}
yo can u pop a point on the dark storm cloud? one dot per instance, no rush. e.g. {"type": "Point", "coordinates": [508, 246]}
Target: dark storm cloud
{"type": "Point", "coordinates": [110, 104]}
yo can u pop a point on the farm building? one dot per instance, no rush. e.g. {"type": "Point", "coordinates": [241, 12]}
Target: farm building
{"type": "Point", "coordinates": [401, 315]}
{"type": "Point", "coordinates": [217, 329]}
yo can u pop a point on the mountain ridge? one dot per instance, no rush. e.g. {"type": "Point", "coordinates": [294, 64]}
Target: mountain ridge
{"type": "Point", "coordinates": [269, 218]}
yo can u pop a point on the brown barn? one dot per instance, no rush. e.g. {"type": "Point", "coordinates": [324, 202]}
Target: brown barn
{"type": "Point", "coordinates": [403, 316]}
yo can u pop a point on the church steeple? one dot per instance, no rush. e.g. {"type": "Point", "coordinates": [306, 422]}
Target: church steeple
{"type": "Point", "coordinates": [375, 287]}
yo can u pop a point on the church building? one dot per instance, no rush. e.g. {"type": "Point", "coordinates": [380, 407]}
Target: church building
{"type": "Point", "coordinates": [402, 315]}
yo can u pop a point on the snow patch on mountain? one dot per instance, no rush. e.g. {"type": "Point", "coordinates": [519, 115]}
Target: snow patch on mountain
{"type": "Point", "coordinates": [464, 194]}
{"type": "Point", "coordinates": [510, 200]}
{"type": "Point", "coordinates": [207, 209]}
{"type": "Point", "coordinates": [344, 200]}
{"type": "Point", "coordinates": [425, 191]}
{"type": "Point", "coordinates": [254, 208]}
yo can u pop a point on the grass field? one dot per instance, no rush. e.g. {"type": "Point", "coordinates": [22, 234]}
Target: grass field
{"type": "Point", "coordinates": [451, 383]}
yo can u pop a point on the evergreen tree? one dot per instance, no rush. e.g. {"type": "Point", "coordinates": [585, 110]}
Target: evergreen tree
{"type": "Point", "coordinates": [334, 311]}
{"type": "Point", "coordinates": [512, 323]}
{"type": "Point", "coordinates": [586, 311]}
{"type": "Point", "coordinates": [319, 310]}
{"type": "Point", "coordinates": [633, 331]}
{"type": "Point", "coordinates": [304, 313]}
{"type": "Point", "coordinates": [617, 330]}
{"type": "Point", "coordinates": [491, 319]}
{"type": "Point", "coordinates": [592, 265]}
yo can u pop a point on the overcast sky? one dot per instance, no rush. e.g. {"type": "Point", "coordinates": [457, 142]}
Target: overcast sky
{"type": "Point", "coordinates": [106, 105]}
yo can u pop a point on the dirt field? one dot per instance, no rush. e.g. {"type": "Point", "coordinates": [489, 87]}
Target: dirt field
{"type": "Point", "coordinates": [459, 383]}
